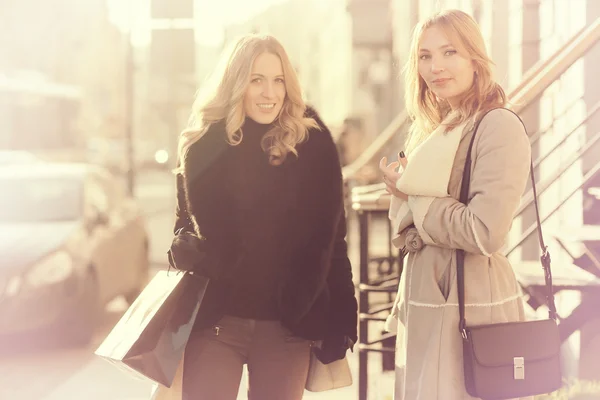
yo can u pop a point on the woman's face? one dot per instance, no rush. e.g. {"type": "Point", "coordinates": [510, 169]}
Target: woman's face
{"type": "Point", "coordinates": [447, 73]}
{"type": "Point", "coordinates": [266, 91]}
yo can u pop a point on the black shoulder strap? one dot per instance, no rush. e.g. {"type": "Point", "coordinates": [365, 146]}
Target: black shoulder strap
{"type": "Point", "coordinates": [460, 254]}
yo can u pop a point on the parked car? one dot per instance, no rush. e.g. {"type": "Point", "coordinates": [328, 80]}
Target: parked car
{"type": "Point", "coordinates": [71, 240]}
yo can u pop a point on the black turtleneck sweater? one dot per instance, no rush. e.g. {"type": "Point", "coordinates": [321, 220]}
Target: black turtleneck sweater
{"type": "Point", "coordinates": [259, 217]}
{"type": "Point", "coordinates": [277, 230]}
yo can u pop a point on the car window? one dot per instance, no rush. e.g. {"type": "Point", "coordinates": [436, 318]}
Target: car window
{"type": "Point", "coordinates": [37, 199]}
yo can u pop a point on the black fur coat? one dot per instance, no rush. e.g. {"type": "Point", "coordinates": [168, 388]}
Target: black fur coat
{"type": "Point", "coordinates": [316, 294]}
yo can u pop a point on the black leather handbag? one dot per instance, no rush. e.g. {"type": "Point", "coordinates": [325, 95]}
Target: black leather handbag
{"type": "Point", "coordinates": [514, 359]}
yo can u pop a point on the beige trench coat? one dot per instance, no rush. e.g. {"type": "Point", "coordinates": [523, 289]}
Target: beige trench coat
{"type": "Point", "coordinates": [425, 316]}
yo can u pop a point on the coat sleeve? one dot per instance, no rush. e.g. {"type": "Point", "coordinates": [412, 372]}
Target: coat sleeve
{"type": "Point", "coordinates": [401, 219]}
{"type": "Point", "coordinates": [320, 260]}
{"type": "Point", "coordinates": [343, 305]}
{"type": "Point", "coordinates": [501, 159]}
{"type": "Point", "coordinates": [182, 217]}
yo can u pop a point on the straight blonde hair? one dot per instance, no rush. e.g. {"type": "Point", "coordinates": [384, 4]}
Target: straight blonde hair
{"type": "Point", "coordinates": [222, 98]}
{"type": "Point", "coordinates": [426, 110]}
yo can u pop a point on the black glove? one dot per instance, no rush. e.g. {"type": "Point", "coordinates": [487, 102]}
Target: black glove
{"type": "Point", "coordinates": [188, 252]}
{"type": "Point", "coordinates": [333, 348]}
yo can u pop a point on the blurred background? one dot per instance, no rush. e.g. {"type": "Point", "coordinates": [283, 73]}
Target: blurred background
{"type": "Point", "coordinates": [93, 95]}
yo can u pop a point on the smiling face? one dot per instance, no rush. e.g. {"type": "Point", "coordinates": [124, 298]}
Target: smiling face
{"type": "Point", "coordinates": [448, 73]}
{"type": "Point", "coordinates": [266, 90]}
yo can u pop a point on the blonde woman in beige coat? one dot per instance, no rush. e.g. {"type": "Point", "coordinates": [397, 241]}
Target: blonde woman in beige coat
{"type": "Point", "coordinates": [449, 86]}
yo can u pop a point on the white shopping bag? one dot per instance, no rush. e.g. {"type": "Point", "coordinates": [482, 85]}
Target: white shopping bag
{"type": "Point", "coordinates": [322, 377]}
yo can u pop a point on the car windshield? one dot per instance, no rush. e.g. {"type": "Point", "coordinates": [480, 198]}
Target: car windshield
{"type": "Point", "coordinates": [40, 199]}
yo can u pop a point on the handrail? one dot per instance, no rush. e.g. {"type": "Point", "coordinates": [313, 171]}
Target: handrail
{"type": "Point", "coordinates": [548, 72]}
{"type": "Point", "coordinates": [543, 186]}
{"type": "Point", "coordinates": [535, 81]}
{"type": "Point", "coordinates": [532, 228]}
{"type": "Point", "coordinates": [562, 141]}
{"type": "Point", "coordinates": [375, 147]}
{"type": "Point", "coordinates": [536, 136]}
{"type": "Point", "coordinates": [379, 200]}
{"type": "Point", "coordinates": [539, 66]}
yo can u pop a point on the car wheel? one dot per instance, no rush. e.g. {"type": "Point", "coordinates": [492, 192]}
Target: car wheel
{"type": "Point", "coordinates": [143, 277]}
{"type": "Point", "coordinates": [79, 330]}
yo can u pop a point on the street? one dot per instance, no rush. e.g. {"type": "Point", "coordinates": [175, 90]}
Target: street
{"type": "Point", "coordinates": [122, 84]}
{"type": "Point", "coordinates": [34, 370]}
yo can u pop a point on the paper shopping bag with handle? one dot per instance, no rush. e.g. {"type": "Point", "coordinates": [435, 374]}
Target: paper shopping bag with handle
{"type": "Point", "coordinates": [150, 339]}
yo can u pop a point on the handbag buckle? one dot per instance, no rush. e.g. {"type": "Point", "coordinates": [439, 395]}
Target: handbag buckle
{"type": "Point", "coordinates": [519, 368]}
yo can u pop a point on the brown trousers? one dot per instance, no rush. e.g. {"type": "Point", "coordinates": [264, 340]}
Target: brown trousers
{"type": "Point", "coordinates": [214, 359]}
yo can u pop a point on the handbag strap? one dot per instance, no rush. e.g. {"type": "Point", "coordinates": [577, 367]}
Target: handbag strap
{"type": "Point", "coordinates": [460, 253]}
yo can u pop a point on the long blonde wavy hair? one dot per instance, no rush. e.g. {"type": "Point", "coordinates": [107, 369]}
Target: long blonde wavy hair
{"type": "Point", "coordinates": [222, 99]}
{"type": "Point", "coordinates": [426, 110]}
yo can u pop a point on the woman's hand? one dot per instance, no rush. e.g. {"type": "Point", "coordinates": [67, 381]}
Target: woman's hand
{"type": "Point", "coordinates": [333, 348]}
{"type": "Point", "coordinates": [391, 175]}
{"type": "Point", "coordinates": [190, 253]}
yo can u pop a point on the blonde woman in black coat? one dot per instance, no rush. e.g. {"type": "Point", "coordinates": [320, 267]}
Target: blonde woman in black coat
{"type": "Point", "coordinates": [260, 182]}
